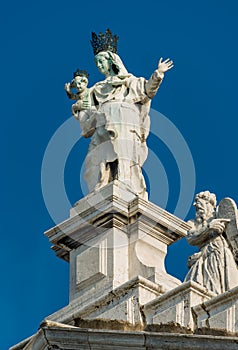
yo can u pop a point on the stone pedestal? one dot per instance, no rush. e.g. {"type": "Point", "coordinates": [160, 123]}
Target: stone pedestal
{"type": "Point", "coordinates": [112, 239]}
{"type": "Point", "coordinates": [220, 313]}
{"type": "Point", "coordinates": [176, 306]}
{"type": "Point", "coordinates": [121, 305]}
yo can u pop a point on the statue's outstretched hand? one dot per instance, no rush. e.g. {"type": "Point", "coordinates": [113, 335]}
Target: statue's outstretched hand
{"type": "Point", "coordinates": [164, 66]}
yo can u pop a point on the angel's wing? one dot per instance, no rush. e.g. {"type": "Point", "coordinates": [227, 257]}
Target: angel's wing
{"type": "Point", "coordinates": [227, 209]}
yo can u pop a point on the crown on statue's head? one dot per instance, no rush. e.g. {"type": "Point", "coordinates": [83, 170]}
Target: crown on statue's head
{"type": "Point", "coordinates": [81, 73]}
{"type": "Point", "coordinates": [104, 42]}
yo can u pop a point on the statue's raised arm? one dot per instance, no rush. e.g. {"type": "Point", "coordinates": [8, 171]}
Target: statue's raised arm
{"type": "Point", "coordinates": [152, 85]}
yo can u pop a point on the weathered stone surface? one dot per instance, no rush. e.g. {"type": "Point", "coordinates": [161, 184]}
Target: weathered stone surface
{"type": "Point", "coordinates": [219, 313]}
{"type": "Point", "coordinates": [122, 304]}
{"type": "Point", "coordinates": [112, 237]}
{"type": "Point", "coordinates": [88, 339]}
{"type": "Point", "coordinates": [176, 305]}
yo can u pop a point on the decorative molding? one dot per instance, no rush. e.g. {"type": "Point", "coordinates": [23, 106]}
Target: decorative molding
{"type": "Point", "coordinates": [91, 265]}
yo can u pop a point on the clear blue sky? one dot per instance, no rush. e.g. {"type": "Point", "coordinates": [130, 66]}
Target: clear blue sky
{"type": "Point", "coordinates": [42, 43]}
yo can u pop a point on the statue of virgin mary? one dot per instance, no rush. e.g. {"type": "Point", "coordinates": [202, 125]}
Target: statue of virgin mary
{"type": "Point", "coordinates": [119, 110]}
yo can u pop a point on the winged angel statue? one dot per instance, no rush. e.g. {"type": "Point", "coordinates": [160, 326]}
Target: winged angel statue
{"type": "Point", "coordinates": [215, 232]}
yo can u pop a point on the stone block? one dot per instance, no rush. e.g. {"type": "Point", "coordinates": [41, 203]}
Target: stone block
{"type": "Point", "coordinates": [122, 304]}
{"type": "Point", "coordinates": [175, 306]}
{"type": "Point", "coordinates": [99, 266]}
{"type": "Point", "coordinates": [220, 312]}
{"type": "Point", "coordinates": [111, 238]}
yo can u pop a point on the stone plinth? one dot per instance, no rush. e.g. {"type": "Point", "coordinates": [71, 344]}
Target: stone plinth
{"type": "Point", "coordinates": [176, 305]}
{"type": "Point", "coordinates": [111, 238]}
{"type": "Point", "coordinates": [122, 304]}
{"type": "Point", "coordinates": [116, 244]}
{"type": "Point", "coordinates": [220, 313]}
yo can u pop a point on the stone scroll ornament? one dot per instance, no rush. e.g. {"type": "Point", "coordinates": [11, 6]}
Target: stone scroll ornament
{"type": "Point", "coordinates": [114, 113]}
{"type": "Point", "coordinates": [215, 232]}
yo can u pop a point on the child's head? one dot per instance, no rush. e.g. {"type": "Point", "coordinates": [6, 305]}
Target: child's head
{"type": "Point", "coordinates": [80, 81]}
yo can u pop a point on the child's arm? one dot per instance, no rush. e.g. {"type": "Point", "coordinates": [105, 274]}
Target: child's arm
{"type": "Point", "coordinates": [69, 93]}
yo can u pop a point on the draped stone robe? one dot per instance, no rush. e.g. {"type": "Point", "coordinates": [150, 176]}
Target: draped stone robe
{"type": "Point", "coordinates": [120, 114]}
{"type": "Point", "coordinates": [213, 266]}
